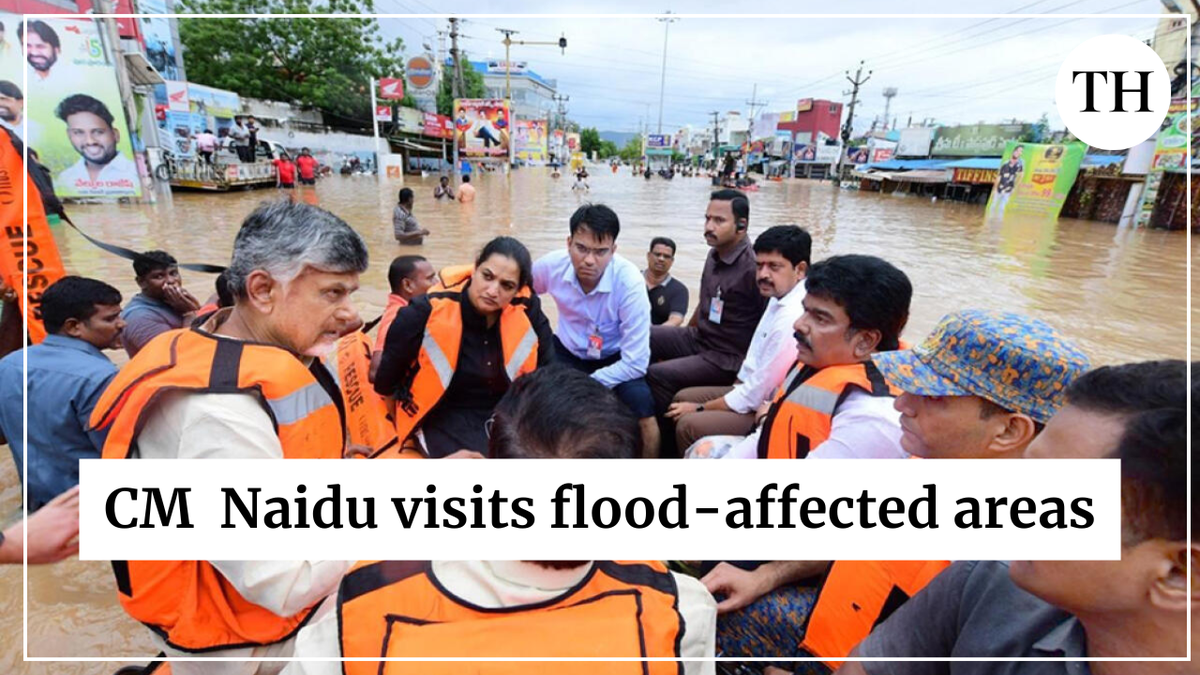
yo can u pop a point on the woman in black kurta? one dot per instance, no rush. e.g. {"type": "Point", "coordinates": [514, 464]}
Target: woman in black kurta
{"type": "Point", "coordinates": [459, 420]}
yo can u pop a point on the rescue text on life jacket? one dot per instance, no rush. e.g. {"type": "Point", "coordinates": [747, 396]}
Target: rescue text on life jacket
{"type": "Point", "coordinates": [858, 595]}
{"type": "Point", "coordinates": [438, 358]}
{"type": "Point", "coordinates": [367, 418]}
{"type": "Point", "coordinates": [44, 264]}
{"type": "Point", "coordinates": [801, 417]}
{"type": "Point", "coordinates": [620, 609]}
{"type": "Point", "coordinates": [189, 603]}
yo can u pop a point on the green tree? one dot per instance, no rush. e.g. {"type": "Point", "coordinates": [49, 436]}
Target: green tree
{"type": "Point", "coordinates": [589, 140]}
{"type": "Point", "coordinates": [608, 149]}
{"type": "Point", "coordinates": [472, 82]}
{"type": "Point", "coordinates": [325, 63]}
{"type": "Point", "coordinates": [632, 150]}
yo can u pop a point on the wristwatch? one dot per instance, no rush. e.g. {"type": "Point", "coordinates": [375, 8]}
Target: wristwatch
{"type": "Point", "coordinates": [700, 408]}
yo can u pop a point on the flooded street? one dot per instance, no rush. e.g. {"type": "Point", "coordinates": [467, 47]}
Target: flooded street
{"type": "Point", "coordinates": [1120, 293]}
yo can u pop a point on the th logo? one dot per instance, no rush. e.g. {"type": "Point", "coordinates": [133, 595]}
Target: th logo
{"type": "Point", "coordinates": [1119, 88]}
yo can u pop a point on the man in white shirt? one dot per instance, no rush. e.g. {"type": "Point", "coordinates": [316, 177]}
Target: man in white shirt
{"type": "Point", "coordinates": [603, 312]}
{"type": "Point", "coordinates": [519, 608]}
{"type": "Point", "coordinates": [293, 270]}
{"type": "Point", "coordinates": [783, 255]}
{"type": "Point", "coordinates": [101, 169]}
{"type": "Point", "coordinates": [42, 51]}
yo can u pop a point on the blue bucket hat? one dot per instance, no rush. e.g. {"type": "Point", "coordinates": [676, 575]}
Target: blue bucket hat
{"type": "Point", "coordinates": [1018, 363]}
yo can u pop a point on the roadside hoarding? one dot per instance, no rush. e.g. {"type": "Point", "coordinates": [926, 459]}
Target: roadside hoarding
{"type": "Point", "coordinates": [482, 127]}
{"type": "Point", "coordinates": [1034, 179]}
{"type": "Point", "coordinates": [530, 143]}
{"type": "Point", "coordinates": [976, 140]}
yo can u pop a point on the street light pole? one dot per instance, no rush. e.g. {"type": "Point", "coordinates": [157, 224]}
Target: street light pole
{"type": "Point", "coordinates": [561, 43]}
{"type": "Point", "coordinates": [662, 87]}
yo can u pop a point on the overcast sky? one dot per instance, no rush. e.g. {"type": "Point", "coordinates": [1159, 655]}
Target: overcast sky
{"type": "Point", "coordinates": [954, 70]}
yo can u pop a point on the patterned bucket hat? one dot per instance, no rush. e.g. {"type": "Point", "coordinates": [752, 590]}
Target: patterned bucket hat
{"type": "Point", "coordinates": [1018, 363]}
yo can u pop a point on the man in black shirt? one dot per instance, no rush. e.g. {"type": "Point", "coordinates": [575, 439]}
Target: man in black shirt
{"type": "Point", "coordinates": [668, 295]}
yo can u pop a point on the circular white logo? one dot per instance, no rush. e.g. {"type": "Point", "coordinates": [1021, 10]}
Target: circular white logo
{"type": "Point", "coordinates": [1113, 92]}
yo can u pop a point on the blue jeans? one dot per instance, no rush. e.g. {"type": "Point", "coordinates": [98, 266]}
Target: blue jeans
{"type": "Point", "coordinates": [635, 394]}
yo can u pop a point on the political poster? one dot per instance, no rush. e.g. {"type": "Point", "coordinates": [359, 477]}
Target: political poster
{"type": "Point", "coordinates": [482, 127]}
{"type": "Point", "coordinates": [1170, 152]}
{"type": "Point", "coordinates": [531, 140]}
{"type": "Point", "coordinates": [976, 140]}
{"type": "Point", "coordinates": [77, 123]}
{"type": "Point", "coordinates": [1034, 179]}
{"type": "Point", "coordinates": [12, 65]}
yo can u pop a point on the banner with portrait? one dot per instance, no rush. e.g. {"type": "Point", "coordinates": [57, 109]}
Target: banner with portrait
{"type": "Point", "coordinates": [530, 141]}
{"type": "Point", "coordinates": [76, 121]}
{"type": "Point", "coordinates": [1035, 179]}
{"type": "Point", "coordinates": [482, 127]}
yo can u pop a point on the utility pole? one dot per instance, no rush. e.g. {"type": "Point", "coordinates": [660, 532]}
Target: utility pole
{"type": "Point", "coordinates": [716, 137]}
{"type": "Point", "coordinates": [848, 128]}
{"type": "Point", "coordinates": [562, 118]}
{"type": "Point", "coordinates": [662, 87]}
{"type": "Point", "coordinates": [455, 92]}
{"type": "Point", "coordinates": [509, 42]}
{"type": "Point", "coordinates": [753, 102]}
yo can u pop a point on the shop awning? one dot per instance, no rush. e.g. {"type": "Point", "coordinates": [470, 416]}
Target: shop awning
{"type": "Point", "coordinates": [975, 163]}
{"type": "Point", "coordinates": [918, 176]}
{"type": "Point", "coordinates": [906, 164]}
{"type": "Point", "coordinates": [140, 71]}
{"type": "Point", "coordinates": [412, 145]}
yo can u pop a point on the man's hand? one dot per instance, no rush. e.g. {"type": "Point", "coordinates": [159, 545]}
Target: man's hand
{"type": "Point", "coordinates": [739, 586]}
{"type": "Point", "coordinates": [464, 454]}
{"type": "Point", "coordinates": [180, 299]}
{"type": "Point", "coordinates": [53, 532]}
{"type": "Point", "coordinates": [680, 408]}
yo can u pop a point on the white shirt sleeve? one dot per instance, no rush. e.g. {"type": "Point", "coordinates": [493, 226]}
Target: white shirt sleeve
{"type": "Point", "coordinates": [634, 314]}
{"type": "Point", "coordinates": [865, 427]}
{"type": "Point", "coordinates": [777, 355]}
{"type": "Point", "coordinates": [236, 426]}
{"type": "Point", "coordinates": [541, 275]}
{"type": "Point", "coordinates": [699, 611]}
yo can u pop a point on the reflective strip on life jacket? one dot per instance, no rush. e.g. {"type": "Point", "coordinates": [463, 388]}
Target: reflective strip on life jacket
{"type": "Point", "coordinates": [189, 603]}
{"type": "Point", "coordinates": [399, 609]}
{"type": "Point", "coordinates": [437, 358]}
{"type": "Point", "coordinates": [858, 595]}
{"type": "Point", "coordinates": [521, 353]}
{"type": "Point", "coordinates": [801, 418]}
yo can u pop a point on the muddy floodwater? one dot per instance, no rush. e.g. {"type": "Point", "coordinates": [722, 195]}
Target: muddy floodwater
{"type": "Point", "coordinates": [1122, 294]}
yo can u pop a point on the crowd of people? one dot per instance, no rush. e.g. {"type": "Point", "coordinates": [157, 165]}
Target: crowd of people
{"type": "Point", "coordinates": [786, 354]}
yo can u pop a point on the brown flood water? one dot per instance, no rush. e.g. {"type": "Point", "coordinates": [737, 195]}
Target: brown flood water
{"type": "Point", "coordinates": [1120, 293]}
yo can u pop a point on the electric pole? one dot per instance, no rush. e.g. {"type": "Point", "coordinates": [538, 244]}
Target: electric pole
{"type": "Point", "coordinates": [716, 137]}
{"type": "Point", "coordinates": [848, 128]}
{"type": "Point", "coordinates": [562, 118]}
{"type": "Point", "coordinates": [662, 87]}
{"type": "Point", "coordinates": [753, 102]}
{"type": "Point", "coordinates": [455, 92]}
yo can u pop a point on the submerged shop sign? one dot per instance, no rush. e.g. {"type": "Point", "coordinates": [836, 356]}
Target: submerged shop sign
{"type": "Point", "coordinates": [76, 120]}
{"type": "Point", "coordinates": [1035, 179]}
{"type": "Point", "coordinates": [977, 139]}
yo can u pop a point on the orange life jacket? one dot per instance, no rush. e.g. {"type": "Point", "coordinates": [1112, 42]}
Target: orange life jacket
{"type": "Point", "coordinates": [45, 265]}
{"type": "Point", "coordinates": [367, 418]}
{"type": "Point", "coordinates": [801, 418]}
{"type": "Point", "coordinates": [620, 609]}
{"type": "Point", "coordinates": [438, 357]}
{"type": "Point", "coordinates": [858, 595]}
{"type": "Point", "coordinates": [189, 603]}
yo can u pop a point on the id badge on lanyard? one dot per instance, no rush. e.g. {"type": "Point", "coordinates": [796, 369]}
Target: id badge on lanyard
{"type": "Point", "coordinates": [716, 307]}
{"type": "Point", "coordinates": [595, 343]}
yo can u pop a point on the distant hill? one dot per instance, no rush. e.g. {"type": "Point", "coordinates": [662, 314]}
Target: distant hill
{"type": "Point", "coordinates": [618, 137]}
